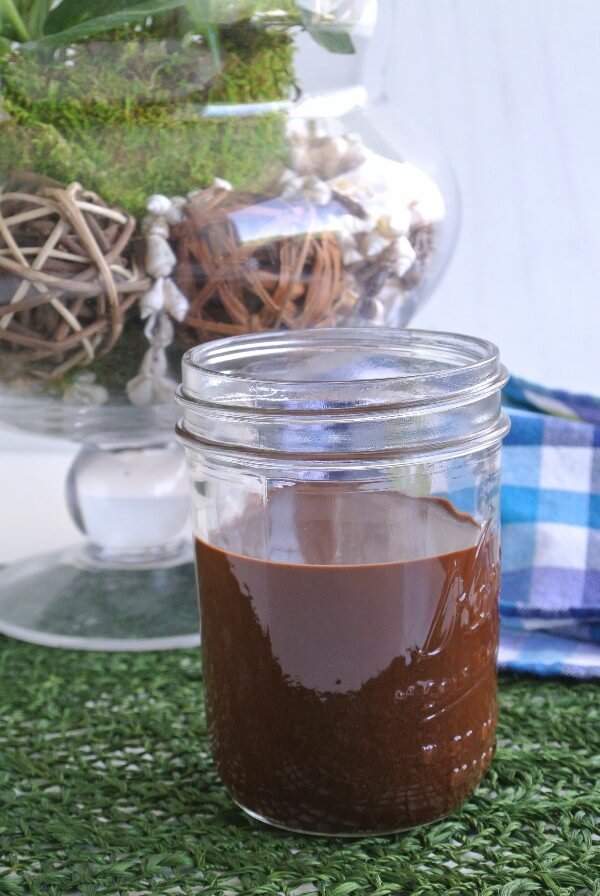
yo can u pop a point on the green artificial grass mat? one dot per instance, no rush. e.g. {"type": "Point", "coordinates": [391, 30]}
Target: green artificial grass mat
{"type": "Point", "coordinates": [108, 787]}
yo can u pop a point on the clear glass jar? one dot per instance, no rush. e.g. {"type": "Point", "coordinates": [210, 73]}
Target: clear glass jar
{"type": "Point", "coordinates": [345, 489]}
{"type": "Point", "coordinates": [163, 182]}
{"type": "Point", "coordinates": [133, 227]}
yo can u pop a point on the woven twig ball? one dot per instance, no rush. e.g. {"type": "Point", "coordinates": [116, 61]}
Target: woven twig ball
{"type": "Point", "coordinates": [65, 279]}
{"type": "Point", "coordinates": [249, 263]}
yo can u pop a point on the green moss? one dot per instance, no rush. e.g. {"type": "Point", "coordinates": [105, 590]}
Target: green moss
{"type": "Point", "coordinates": [125, 164]}
{"type": "Point", "coordinates": [125, 119]}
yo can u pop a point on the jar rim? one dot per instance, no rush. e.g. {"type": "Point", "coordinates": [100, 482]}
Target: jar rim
{"type": "Point", "coordinates": [404, 368]}
{"type": "Point", "coordinates": [426, 392]}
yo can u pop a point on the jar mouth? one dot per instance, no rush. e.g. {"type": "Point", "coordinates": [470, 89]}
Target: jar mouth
{"type": "Point", "coordinates": [340, 370]}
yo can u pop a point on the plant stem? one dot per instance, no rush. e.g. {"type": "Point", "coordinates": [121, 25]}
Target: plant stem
{"type": "Point", "coordinates": [10, 12]}
{"type": "Point", "coordinates": [211, 33]}
{"type": "Point", "coordinates": [37, 18]}
{"type": "Point", "coordinates": [204, 20]}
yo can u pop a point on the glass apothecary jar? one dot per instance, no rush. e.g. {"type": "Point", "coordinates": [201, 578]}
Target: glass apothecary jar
{"type": "Point", "coordinates": [345, 495]}
{"type": "Point", "coordinates": [165, 180]}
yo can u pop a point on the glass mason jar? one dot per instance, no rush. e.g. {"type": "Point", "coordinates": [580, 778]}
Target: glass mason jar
{"type": "Point", "coordinates": [345, 495]}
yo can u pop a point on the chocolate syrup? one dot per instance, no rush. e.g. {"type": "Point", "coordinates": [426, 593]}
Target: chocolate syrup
{"type": "Point", "coordinates": [349, 647]}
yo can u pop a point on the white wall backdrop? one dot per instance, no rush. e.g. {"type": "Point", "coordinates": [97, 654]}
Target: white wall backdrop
{"type": "Point", "coordinates": [511, 90]}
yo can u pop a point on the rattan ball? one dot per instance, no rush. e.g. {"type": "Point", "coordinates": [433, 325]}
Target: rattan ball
{"type": "Point", "coordinates": [66, 278]}
{"type": "Point", "coordinates": [250, 263]}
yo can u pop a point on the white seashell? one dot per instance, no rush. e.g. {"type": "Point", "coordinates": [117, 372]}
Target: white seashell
{"type": "Point", "coordinates": [153, 301]}
{"type": "Point", "coordinates": [222, 184]}
{"type": "Point", "coordinates": [400, 221]}
{"type": "Point", "coordinates": [328, 157]}
{"type": "Point", "coordinates": [151, 384]}
{"type": "Point", "coordinates": [393, 226]}
{"type": "Point", "coordinates": [374, 244]}
{"type": "Point", "coordinates": [85, 391]}
{"type": "Point", "coordinates": [156, 224]}
{"type": "Point", "coordinates": [339, 145]}
{"type": "Point", "coordinates": [296, 132]}
{"type": "Point", "coordinates": [290, 192]}
{"type": "Point", "coordinates": [383, 226]}
{"type": "Point", "coordinates": [147, 363]}
{"type": "Point", "coordinates": [354, 157]}
{"type": "Point", "coordinates": [164, 389]}
{"type": "Point", "coordinates": [353, 139]}
{"type": "Point", "coordinates": [293, 188]}
{"type": "Point", "coordinates": [347, 241]}
{"type": "Point", "coordinates": [373, 311]}
{"type": "Point", "coordinates": [288, 177]}
{"type": "Point", "coordinates": [160, 258]}
{"type": "Point", "coordinates": [140, 390]}
{"type": "Point", "coordinates": [300, 160]}
{"type": "Point", "coordinates": [351, 256]}
{"type": "Point", "coordinates": [174, 215]}
{"type": "Point", "coordinates": [316, 191]}
{"type": "Point", "coordinates": [154, 362]}
{"type": "Point", "coordinates": [175, 302]}
{"type": "Point", "coordinates": [159, 204]}
{"type": "Point", "coordinates": [159, 331]}
{"type": "Point", "coordinates": [159, 227]}
{"type": "Point", "coordinates": [317, 129]}
{"type": "Point", "coordinates": [350, 225]}
{"type": "Point", "coordinates": [406, 256]}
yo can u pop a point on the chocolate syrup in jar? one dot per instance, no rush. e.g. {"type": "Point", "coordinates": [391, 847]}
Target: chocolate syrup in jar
{"type": "Point", "coordinates": [349, 648]}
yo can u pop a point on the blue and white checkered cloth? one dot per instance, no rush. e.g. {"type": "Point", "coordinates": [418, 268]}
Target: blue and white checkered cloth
{"type": "Point", "coordinates": [550, 597]}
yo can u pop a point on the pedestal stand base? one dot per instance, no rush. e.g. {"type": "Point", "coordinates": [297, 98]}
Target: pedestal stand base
{"type": "Point", "coordinates": [67, 599]}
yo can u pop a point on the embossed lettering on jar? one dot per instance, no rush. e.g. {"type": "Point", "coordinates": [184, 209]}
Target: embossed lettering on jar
{"type": "Point", "coordinates": [345, 506]}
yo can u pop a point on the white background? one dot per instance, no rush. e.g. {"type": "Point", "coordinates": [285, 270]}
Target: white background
{"type": "Point", "coordinates": [511, 90]}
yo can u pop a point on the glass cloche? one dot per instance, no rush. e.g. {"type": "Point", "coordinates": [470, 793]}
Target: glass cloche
{"type": "Point", "coordinates": [165, 180]}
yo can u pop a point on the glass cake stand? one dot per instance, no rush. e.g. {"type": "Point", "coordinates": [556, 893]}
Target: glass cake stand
{"type": "Point", "coordinates": [131, 585]}
{"type": "Point", "coordinates": [343, 214]}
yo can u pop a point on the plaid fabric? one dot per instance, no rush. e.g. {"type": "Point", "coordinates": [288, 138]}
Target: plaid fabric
{"type": "Point", "coordinates": [550, 598]}
{"type": "Point", "coordinates": [585, 408]}
{"type": "Point", "coordinates": [540, 653]}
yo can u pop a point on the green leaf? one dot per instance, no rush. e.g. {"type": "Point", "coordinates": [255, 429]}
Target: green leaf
{"type": "Point", "coordinates": [207, 12]}
{"type": "Point", "coordinates": [5, 46]}
{"type": "Point", "coordinates": [333, 40]}
{"type": "Point", "coordinates": [343, 889]}
{"type": "Point", "coordinates": [37, 16]}
{"type": "Point", "coordinates": [10, 14]}
{"type": "Point", "coordinates": [519, 887]}
{"type": "Point", "coordinates": [73, 12]}
{"type": "Point", "coordinates": [132, 14]}
{"type": "Point", "coordinates": [332, 37]}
